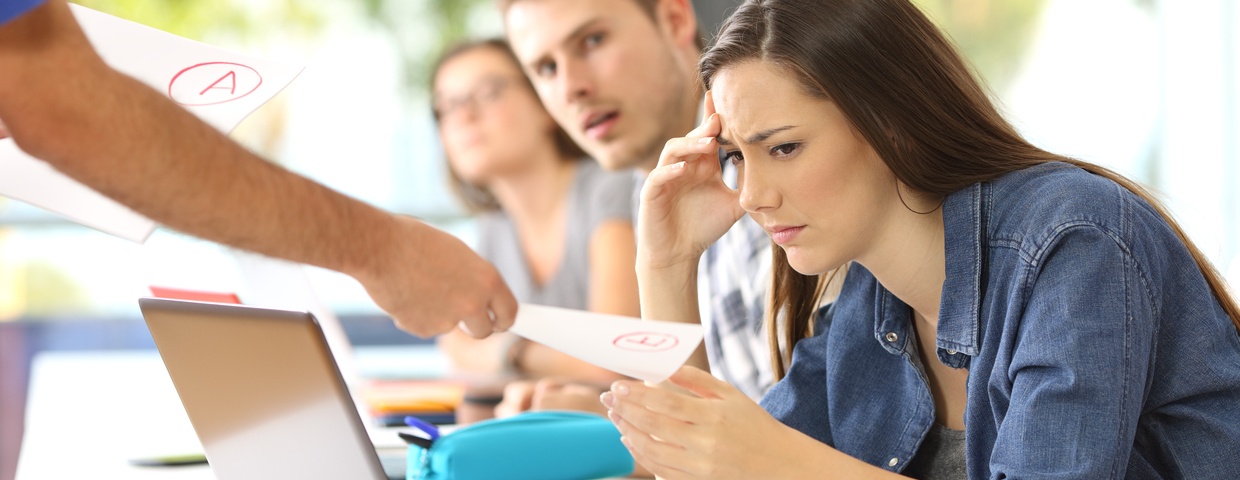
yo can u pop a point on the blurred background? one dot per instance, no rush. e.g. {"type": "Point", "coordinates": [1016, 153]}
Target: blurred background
{"type": "Point", "coordinates": [1150, 88]}
{"type": "Point", "coordinates": [1147, 87]}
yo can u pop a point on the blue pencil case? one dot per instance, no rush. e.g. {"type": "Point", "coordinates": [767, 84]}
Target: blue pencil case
{"type": "Point", "coordinates": [533, 445]}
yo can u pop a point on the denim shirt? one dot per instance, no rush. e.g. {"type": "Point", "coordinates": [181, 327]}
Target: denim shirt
{"type": "Point", "coordinates": [1095, 349]}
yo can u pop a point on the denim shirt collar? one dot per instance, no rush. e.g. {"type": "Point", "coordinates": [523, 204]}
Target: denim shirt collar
{"type": "Point", "coordinates": [961, 300]}
{"type": "Point", "coordinates": [964, 238]}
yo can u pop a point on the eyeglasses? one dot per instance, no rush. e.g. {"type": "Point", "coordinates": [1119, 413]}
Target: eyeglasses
{"type": "Point", "coordinates": [485, 92]}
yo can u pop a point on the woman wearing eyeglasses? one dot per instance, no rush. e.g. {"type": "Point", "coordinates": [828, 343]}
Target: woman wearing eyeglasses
{"type": "Point", "coordinates": [557, 226]}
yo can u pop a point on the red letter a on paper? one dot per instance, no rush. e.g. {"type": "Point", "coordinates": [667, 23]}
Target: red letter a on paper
{"type": "Point", "coordinates": [232, 83]}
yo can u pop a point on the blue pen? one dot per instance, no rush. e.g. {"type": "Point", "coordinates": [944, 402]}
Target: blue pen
{"type": "Point", "coordinates": [423, 426]}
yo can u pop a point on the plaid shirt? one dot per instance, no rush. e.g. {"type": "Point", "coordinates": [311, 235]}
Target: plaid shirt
{"type": "Point", "coordinates": [734, 278]}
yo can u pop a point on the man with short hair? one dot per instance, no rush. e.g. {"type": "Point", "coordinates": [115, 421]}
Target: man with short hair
{"type": "Point", "coordinates": [62, 104]}
{"type": "Point", "coordinates": [620, 76]}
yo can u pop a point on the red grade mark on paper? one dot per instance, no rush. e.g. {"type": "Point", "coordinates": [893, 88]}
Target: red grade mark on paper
{"type": "Point", "coordinates": [646, 341]}
{"type": "Point", "coordinates": [213, 83]}
{"type": "Point", "coordinates": [232, 84]}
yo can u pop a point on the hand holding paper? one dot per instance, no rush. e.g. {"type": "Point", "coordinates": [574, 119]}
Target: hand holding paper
{"type": "Point", "coordinates": [644, 349]}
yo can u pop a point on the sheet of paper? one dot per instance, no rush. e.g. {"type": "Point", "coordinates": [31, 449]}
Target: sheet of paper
{"type": "Point", "coordinates": [644, 349]}
{"type": "Point", "coordinates": [218, 86]}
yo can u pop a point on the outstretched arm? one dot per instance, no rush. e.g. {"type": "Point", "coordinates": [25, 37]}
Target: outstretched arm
{"type": "Point", "coordinates": [62, 104]}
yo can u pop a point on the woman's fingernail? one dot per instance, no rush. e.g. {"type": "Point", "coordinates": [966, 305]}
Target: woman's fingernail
{"type": "Point", "coordinates": [615, 417]}
{"type": "Point", "coordinates": [607, 399]}
{"type": "Point", "coordinates": [677, 165]}
{"type": "Point", "coordinates": [620, 388]}
{"type": "Point", "coordinates": [705, 140]}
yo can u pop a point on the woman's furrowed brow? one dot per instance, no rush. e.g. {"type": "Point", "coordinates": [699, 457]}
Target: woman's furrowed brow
{"type": "Point", "coordinates": [757, 137]}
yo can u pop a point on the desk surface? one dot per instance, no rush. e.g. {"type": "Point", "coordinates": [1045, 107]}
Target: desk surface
{"type": "Point", "coordinates": [93, 411]}
{"type": "Point", "coordinates": [96, 410]}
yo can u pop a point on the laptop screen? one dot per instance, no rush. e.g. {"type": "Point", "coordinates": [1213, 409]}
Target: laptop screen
{"type": "Point", "coordinates": [262, 391]}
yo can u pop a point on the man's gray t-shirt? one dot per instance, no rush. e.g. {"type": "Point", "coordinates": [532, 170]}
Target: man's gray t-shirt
{"type": "Point", "coordinates": [596, 196]}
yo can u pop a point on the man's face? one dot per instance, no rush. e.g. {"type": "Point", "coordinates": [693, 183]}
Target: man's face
{"type": "Point", "coordinates": [608, 73]}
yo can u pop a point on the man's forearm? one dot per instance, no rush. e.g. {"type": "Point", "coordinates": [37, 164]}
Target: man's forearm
{"type": "Point", "coordinates": [128, 142]}
{"type": "Point", "coordinates": [192, 178]}
{"type": "Point", "coordinates": [110, 132]}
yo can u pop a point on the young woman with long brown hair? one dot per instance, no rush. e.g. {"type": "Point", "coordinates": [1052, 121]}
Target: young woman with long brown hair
{"type": "Point", "coordinates": [1006, 312]}
{"type": "Point", "coordinates": [557, 226]}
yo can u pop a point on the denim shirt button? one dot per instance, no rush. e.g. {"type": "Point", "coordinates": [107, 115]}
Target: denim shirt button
{"type": "Point", "coordinates": [894, 460]}
{"type": "Point", "coordinates": [892, 337]}
{"type": "Point", "coordinates": [951, 352]}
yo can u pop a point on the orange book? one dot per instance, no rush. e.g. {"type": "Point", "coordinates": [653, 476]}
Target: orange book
{"type": "Point", "coordinates": [194, 295]}
{"type": "Point", "coordinates": [385, 397]}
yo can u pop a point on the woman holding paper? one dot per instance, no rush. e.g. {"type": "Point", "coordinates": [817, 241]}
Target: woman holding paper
{"type": "Point", "coordinates": [557, 226]}
{"type": "Point", "coordinates": [1007, 312]}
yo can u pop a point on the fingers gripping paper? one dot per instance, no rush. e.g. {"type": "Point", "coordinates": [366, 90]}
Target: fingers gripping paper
{"type": "Point", "coordinates": [645, 349]}
{"type": "Point", "coordinates": [218, 86]}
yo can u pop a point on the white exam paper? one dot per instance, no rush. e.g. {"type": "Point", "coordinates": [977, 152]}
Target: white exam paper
{"type": "Point", "coordinates": [645, 349]}
{"type": "Point", "coordinates": [218, 86]}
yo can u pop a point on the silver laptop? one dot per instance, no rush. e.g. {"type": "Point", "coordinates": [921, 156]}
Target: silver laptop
{"type": "Point", "coordinates": [263, 392]}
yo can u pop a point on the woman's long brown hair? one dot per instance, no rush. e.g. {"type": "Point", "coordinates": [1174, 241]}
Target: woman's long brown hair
{"type": "Point", "coordinates": [910, 94]}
